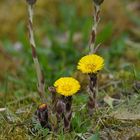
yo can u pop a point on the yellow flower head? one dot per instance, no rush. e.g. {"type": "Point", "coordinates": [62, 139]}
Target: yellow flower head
{"type": "Point", "coordinates": [90, 63]}
{"type": "Point", "coordinates": [67, 86]}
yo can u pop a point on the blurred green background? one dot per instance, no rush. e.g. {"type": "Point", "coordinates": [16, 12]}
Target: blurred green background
{"type": "Point", "coordinates": [62, 30]}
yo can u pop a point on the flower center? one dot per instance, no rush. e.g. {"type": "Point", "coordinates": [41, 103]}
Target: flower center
{"type": "Point", "coordinates": [90, 66]}
{"type": "Point", "coordinates": [66, 87]}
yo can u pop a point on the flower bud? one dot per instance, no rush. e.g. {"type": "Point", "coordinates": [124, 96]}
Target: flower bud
{"type": "Point", "coordinates": [52, 90]}
{"type": "Point", "coordinates": [42, 116]}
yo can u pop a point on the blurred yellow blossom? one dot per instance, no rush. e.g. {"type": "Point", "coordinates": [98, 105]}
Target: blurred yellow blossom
{"type": "Point", "coordinates": [67, 86]}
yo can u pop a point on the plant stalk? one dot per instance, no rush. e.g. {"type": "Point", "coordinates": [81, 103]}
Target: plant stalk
{"type": "Point", "coordinates": [68, 113]}
{"type": "Point", "coordinates": [40, 77]}
{"type": "Point", "coordinates": [92, 103]}
{"type": "Point", "coordinates": [92, 89]}
{"type": "Point", "coordinates": [96, 17]}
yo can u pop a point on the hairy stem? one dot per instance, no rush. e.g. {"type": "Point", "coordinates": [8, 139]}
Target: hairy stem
{"type": "Point", "coordinates": [54, 98]}
{"type": "Point", "coordinates": [94, 29]}
{"type": "Point", "coordinates": [40, 77]}
{"type": "Point", "coordinates": [92, 93]}
{"type": "Point", "coordinates": [68, 113]}
{"type": "Point", "coordinates": [92, 88]}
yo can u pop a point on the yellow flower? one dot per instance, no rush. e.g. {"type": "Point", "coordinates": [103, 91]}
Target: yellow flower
{"type": "Point", "coordinates": [90, 63]}
{"type": "Point", "coordinates": [67, 86]}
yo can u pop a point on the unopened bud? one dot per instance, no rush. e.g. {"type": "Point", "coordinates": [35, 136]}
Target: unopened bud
{"type": "Point", "coordinates": [42, 116]}
{"type": "Point", "coordinates": [98, 2]}
{"type": "Point", "coordinates": [52, 90]}
{"type": "Point", "coordinates": [31, 2]}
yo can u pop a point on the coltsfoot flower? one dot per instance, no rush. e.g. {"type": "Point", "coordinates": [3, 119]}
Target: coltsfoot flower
{"type": "Point", "coordinates": [90, 64]}
{"type": "Point", "coordinates": [67, 86]}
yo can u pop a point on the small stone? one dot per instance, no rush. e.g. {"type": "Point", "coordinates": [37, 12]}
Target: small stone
{"type": "Point", "coordinates": [98, 2]}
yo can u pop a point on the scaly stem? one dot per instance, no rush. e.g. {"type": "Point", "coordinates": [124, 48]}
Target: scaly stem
{"type": "Point", "coordinates": [54, 98]}
{"type": "Point", "coordinates": [92, 93]}
{"type": "Point", "coordinates": [94, 29]}
{"type": "Point", "coordinates": [68, 113]}
{"type": "Point", "coordinates": [64, 111]}
{"type": "Point", "coordinates": [40, 77]}
{"type": "Point", "coordinates": [92, 89]}
{"type": "Point", "coordinates": [60, 109]}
